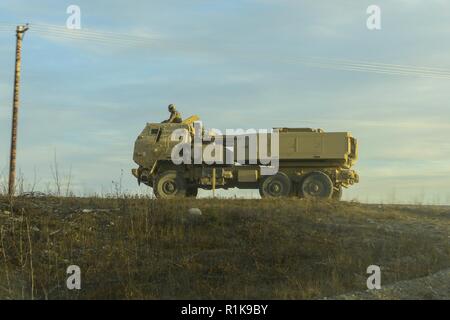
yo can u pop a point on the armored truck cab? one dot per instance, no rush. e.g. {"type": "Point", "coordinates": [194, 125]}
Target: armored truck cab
{"type": "Point", "coordinates": [311, 163]}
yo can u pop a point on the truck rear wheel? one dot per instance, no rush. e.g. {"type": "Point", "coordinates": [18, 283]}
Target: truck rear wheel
{"type": "Point", "coordinates": [317, 185]}
{"type": "Point", "coordinates": [275, 186]}
{"type": "Point", "coordinates": [169, 184]}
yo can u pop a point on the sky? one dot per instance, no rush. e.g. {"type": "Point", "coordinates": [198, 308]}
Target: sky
{"type": "Point", "coordinates": [236, 64]}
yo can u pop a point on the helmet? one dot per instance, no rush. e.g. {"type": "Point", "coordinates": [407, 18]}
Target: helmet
{"type": "Point", "coordinates": [171, 107]}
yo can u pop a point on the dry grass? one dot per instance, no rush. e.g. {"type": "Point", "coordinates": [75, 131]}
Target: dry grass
{"type": "Point", "coordinates": [147, 249]}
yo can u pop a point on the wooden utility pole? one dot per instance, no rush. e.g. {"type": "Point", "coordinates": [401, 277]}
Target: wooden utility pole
{"type": "Point", "coordinates": [20, 32]}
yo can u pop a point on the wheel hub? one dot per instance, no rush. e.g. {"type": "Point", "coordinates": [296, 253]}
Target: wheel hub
{"type": "Point", "coordinates": [275, 188]}
{"type": "Point", "coordinates": [169, 187]}
{"type": "Point", "coordinates": [315, 188]}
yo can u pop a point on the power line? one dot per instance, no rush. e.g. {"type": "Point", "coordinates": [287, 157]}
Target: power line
{"type": "Point", "coordinates": [377, 70]}
{"type": "Point", "coordinates": [126, 40]}
{"type": "Point", "coordinates": [109, 36]}
{"type": "Point", "coordinates": [370, 67]}
{"type": "Point", "coordinates": [78, 37]}
{"type": "Point", "coordinates": [382, 66]}
{"type": "Point", "coordinates": [104, 37]}
{"type": "Point", "coordinates": [74, 34]}
{"type": "Point", "coordinates": [390, 65]}
{"type": "Point", "coordinates": [101, 33]}
{"type": "Point", "coordinates": [343, 68]}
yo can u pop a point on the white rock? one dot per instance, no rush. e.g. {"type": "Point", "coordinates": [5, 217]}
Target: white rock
{"type": "Point", "coordinates": [195, 211]}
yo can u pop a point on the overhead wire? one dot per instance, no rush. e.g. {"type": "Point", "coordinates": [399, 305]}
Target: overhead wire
{"type": "Point", "coordinates": [382, 66]}
{"type": "Point", "coordinates": [103, 37]}
{"type": "Point", "coordinates": [127, 40]}
{"type": "Point", "coordinates": [376, 69]}
{"type": "Point", "coordinates": [79, 37]}
{"type": "Point", "coordinates": [95, 36]}
{"type": "Point", "coordinates": [100, 33]}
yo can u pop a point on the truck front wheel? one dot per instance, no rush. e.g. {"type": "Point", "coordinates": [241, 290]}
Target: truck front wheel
{"type": "Point", "coordinates": [169, 184]}
{"type": "Point", "coordinates": [317, 185]}
{"type": "Point", "coordinates": [275, 186]}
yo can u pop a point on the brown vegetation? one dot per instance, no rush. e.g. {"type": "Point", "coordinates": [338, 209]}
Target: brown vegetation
{"type": "Point", "coordinates": [130, 248]}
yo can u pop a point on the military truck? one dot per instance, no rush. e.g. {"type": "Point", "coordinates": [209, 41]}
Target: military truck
{"type": "Point", "coordinates": [312, 164]}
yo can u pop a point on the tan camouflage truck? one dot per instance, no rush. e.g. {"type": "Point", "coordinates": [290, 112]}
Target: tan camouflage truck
{"type": "Point", "coordinates": [312, 164]}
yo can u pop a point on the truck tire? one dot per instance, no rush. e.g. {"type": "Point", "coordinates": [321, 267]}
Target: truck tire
{"type": "Point", "coordinates": [317, 185]}
{"type": "Point", "coordinates": [169, 184]}
{"type": "Point", "coordinates": [337, 194]}
{"type": "Point", "coordinates": [275, 186]}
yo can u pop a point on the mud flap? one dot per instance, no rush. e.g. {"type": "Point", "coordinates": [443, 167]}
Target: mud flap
{"type": "Point", "coordinates": [135, 173]}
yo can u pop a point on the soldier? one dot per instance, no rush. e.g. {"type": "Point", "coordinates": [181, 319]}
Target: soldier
{"type": "Point", "coordinates": [175, 116]}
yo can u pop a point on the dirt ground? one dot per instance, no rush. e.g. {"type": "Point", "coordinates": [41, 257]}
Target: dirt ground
{"type": "Point", "coordinates": [433, 287]}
